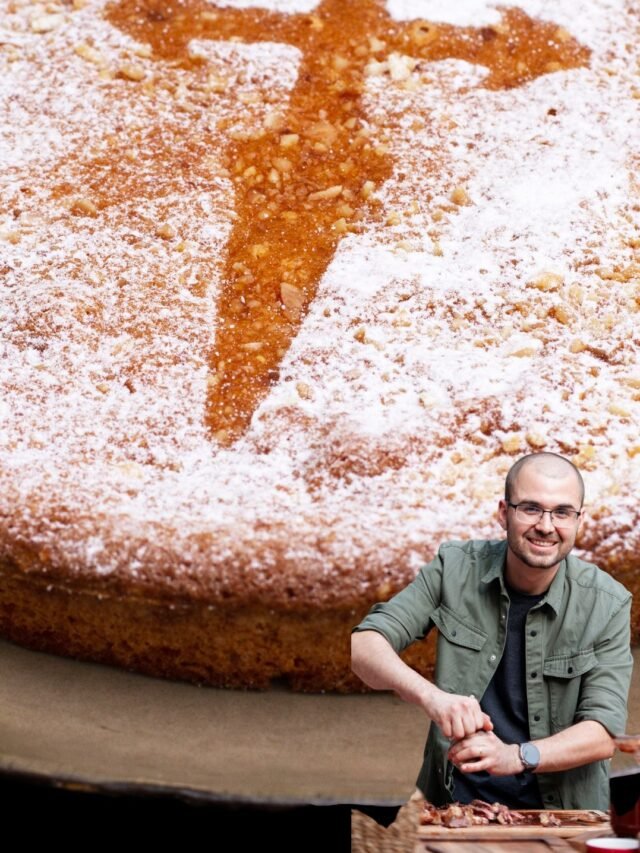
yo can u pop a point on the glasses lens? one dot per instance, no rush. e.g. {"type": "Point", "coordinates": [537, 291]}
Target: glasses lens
{"type": "Point", "coordinates": [563, 517]}
{"type": "Point", "coordinates": [528, 513]}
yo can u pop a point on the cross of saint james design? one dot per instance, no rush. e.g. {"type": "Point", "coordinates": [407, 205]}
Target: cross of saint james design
{"type": "Point", "coordinates": [306, 180]}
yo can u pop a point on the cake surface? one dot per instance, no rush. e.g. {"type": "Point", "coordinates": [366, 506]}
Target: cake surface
{"type": "Point", "coordinates": [285, 291]}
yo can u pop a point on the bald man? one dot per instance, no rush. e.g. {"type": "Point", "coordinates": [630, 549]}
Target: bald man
{"type": "Point", "coordinates": [533, 660]}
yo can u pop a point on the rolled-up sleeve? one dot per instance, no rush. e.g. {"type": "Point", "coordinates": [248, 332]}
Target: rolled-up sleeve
{"type": "Point", "coordinates": [407, 615]}
{"type": "Point", "coordinates": [605, 688]}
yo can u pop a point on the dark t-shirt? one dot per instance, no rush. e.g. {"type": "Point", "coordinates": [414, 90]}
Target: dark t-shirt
{"type": "Point", "coordinates": [505, 701]}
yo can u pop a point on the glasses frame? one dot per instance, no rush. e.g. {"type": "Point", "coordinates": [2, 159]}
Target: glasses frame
{"type": "Point", "coordinates": [575, 512]}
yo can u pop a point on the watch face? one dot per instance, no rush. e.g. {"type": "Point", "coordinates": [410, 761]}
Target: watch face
{"type": "Point", "coordinates": [530, 754]}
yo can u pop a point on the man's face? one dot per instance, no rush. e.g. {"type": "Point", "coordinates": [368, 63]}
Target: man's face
{"type": "Point", "coordinates": [540, 545]}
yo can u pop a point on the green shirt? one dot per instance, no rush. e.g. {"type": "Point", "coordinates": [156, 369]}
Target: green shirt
{"type": "Point", "coordinates": [578, 659]}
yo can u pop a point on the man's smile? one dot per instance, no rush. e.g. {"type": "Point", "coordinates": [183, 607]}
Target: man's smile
{"type": "Point", "coordinates": [541, 543]}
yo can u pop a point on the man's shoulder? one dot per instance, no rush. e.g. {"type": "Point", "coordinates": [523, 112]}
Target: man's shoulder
{"type": "Point", "coordinates": [474, 547]}
{"type": "Point", "coordinates": [480, 553]}
{"type": "Point", "coordinates": [589, 576]}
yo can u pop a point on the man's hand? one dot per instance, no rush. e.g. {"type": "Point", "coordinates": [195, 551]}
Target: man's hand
{"type": "Point", "coordinates": [456, 716]}
{"type": "Point", "coordinates": [485, 751]}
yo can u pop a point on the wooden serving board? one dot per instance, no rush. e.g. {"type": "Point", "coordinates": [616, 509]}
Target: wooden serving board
{"type": "Point", "coordinates": [573, 822]}
{"type": "Point", "coordinates": [524, 845]}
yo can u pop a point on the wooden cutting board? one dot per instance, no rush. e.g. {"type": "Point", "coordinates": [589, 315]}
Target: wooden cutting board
{"type": "Point", "coordinates": [529, 845]}
{"type": "Point", "coordinates": [573, 822]}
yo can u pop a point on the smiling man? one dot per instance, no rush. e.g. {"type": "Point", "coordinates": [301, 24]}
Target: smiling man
{"type": "Point", "coordinates": [533, 660]}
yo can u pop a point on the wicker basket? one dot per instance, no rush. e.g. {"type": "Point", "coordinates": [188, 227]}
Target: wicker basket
{"type": "Point", "coordinates": [401, 836]}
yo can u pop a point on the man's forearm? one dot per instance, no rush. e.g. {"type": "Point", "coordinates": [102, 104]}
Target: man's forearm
{"type": "Point", "coordinates": [580, 744]}
{"type": "Point", "coordinates": [377, 664]}
{"type": "Point", "coordinates": [375, 661]}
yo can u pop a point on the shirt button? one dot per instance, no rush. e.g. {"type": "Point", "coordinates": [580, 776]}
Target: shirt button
{"type": "Point", "coordinates": [534, 674]}
{"type": "Point", "coordinates": [550, 798]}
{"type": "Point", "coordinates": [492, 658]}
{"type": "Point", "coordinates": [453, 633]}
{"type": "Point", "coordinates": [536, 717]}
{"type": "Point", "coordinates": [570, 670]}
{"type": "Point", "coordinates": [533, 633]}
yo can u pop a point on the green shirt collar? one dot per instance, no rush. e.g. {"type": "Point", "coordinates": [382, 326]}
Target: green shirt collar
{"type": "Point", "coordinates": [496, 571]}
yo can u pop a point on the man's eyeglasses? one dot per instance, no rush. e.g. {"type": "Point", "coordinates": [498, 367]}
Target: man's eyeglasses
{"type": "Point", "coordinates": [530, 513]}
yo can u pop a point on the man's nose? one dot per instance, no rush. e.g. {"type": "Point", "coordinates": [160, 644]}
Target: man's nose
{"type": "Point", "coordinates": [545, 522]}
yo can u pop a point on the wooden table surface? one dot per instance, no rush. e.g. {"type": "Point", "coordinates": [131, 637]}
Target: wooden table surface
{"type": "Point", "coordinates": [542, 842]}
{"type": "Point", "coordinates": [523, 845]}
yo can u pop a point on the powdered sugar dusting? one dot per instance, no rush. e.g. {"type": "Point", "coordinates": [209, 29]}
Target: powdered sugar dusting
{"type": "Point", "coordinates": [468, 13]}
{"type": "Point", "coordinates": [478, 13]}
{"type": "Point", "coordinates": [489, 312]}
{"type": "Point", "coordinates": [288, 6]}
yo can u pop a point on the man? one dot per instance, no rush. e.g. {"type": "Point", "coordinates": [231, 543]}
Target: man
{"type": "Point", "coordinates": [533, 660]}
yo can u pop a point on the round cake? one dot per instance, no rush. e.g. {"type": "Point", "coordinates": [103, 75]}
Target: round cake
{"type": "Point", "coordinates": [286, 288]}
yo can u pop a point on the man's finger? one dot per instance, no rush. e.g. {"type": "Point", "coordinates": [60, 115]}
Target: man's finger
{"type": "Point", "coordinates": [455, 749]}
{"type": "Point", "coordinates": [466, 723]}
{"type": "Point", "coordinates": [461, 753]}
{"type": "Point", "coordinates": [477, 721]}
{"type": "Point", "coordinates": [475, 766]}
{"type": "Point", "coordinates": [446, 726]}
{"type": "Point", "coordinates": [475, 741]}
{"type": "Point", "coordinates": [458, 728]}
{"type": "Point", "coordinates": [469, 757]}
{"type": "Point", "coordinates": [482, 721]}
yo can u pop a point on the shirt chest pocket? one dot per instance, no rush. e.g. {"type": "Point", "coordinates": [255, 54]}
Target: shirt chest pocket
{"type": "Point", "coordinates": [458, 647]}
{"type": "Point", "coordinates": [563, 676]}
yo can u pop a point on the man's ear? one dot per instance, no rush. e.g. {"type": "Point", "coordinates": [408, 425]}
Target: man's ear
{"type": "Point", "coordinates": [503, 509]}
{"type": "Point", "coordinates": [581, 520]}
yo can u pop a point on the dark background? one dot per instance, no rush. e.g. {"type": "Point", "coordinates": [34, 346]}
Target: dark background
{"type": "Point", "coordinates": [82, 820]}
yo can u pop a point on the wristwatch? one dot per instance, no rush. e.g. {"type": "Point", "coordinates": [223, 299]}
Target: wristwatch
{"type": "Point", "coordinates": [529, 755]}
